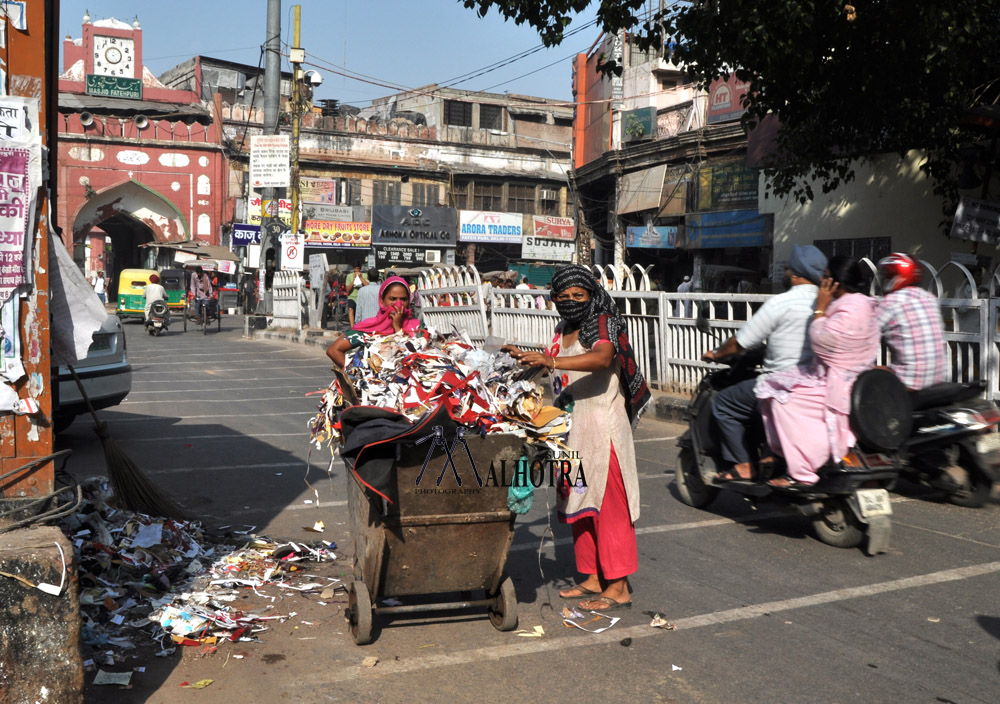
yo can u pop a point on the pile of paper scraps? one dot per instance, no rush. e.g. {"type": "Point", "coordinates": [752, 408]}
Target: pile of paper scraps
{"type": "Point", "coordinates": [411, 375]}
{"type": "Point", "coordinates": [152, 578]}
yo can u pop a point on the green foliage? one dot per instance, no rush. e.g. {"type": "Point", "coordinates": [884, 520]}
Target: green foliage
{"type": "Point", "coordinates": [847, 80]}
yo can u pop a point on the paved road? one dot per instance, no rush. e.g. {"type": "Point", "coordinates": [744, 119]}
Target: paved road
{"type": "Point", "coordinates": [764, 612]}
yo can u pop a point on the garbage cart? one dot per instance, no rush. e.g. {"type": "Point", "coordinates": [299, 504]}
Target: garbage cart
{"type": "Point", "coordinates": [434, 539]}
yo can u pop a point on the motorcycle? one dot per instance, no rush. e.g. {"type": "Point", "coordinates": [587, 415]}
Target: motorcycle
{"type": "Point", "coordinates": [851, 498]}
{"type": "Point", "coordinates": [158, 320]}
{"type": "Point", "coordinates": [954, 446]}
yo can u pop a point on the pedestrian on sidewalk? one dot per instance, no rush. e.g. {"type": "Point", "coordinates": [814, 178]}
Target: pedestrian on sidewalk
{"type": "Point", "coordinates": [599, 382]}
{"type": "Point", "coordinates": [100, 285]}
{"type": "Point", "coordinates": [368, 297]}
{"type": "Point", "coordinates": [355, 282]}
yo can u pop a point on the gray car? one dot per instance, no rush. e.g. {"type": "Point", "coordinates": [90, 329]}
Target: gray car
{"type": "Point", "coordinates": [105, 372]}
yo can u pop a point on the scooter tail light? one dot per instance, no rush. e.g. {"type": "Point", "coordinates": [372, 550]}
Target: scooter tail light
{"type": "Point", "coordinates": [852, 459]}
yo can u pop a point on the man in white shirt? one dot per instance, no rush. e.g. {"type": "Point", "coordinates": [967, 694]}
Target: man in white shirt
{"type": "Point", "coordinates": [100, 285]}
{"type": "Point", "coordinates": [783, 323]}
{"type": "Point", "coordinates": [368, 305]}
{"type": "Point", "coordinates": [685, 287]}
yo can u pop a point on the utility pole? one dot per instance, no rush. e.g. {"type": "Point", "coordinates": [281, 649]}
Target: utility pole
{"type": "Point", "coordinates": [272, 103]}
{"type": "Point", "coordinates": [296, 56]}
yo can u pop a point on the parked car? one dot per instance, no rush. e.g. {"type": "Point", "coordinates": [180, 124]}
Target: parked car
{"type": "Point", "coordinates": [105, 372]}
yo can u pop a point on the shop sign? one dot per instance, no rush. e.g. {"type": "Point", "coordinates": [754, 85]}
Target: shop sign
{"type": "Point", "coordinates": [331, 213]}
{"type": "Point", "coordinates": [733, 228]}
{"type": "Point", "coordinates": [976, 220]}
{"type": "Point", "coordinates": [725, 96]}
{"type": "Point", "coordinates": [639, 125]}
{"type": "Point", "coordinates": [651, 237]}
{"type": "Point", "coordinates": [317, 190]}
{"type": "Point", "coordinates": [245, 235]}
{"type": "Point", "coordinates": [555, 228]}
{"type": "Point", "coordinates": [485, 226]}
{"type": "Point", "coordinates": [402, 255]}
{"type": "Point", "coordinates": [548, 250]}
{"type": "Point", "coordinates": [414, 227]}
{"type": "Point", "coordinates": [322, 233]}
{"type": "Point", "coordinates": [727, 184]}
{"type": "Point", "coordinates": [281, 208]}
{"type": "Point", "coordinates": [269, 161]}
{"type": "Point", "coordinates": [114, 87]}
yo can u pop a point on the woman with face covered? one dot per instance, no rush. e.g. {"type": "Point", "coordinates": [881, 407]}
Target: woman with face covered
{"type": "Point", "coordinates": [394, 315]}
{"type": "Point", "coordinates": [596, 379]}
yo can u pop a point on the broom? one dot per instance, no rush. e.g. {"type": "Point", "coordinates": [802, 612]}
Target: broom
{"type": "Point", "coordinates": [133, 488]}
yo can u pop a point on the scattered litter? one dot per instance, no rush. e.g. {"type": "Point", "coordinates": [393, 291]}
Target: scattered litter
{"type": "Point", "coordinates": [660, 622]}
{"type": "Point", "coordinates": [598, 617]}
{"type": "Point", "coordinates": [676, 668]}
{"type": "Point", "coordinates": [427, 645]}
{"type": "Point", "coordinates": [391, 601]}
{"type": "Point", "coordinates": [200, 684]}
{"type": "Point", "coordinates": [538, 632]}
{"type": "Point", "coordinates": [317, 527]}
{"type": "Point", "coordinates": [626, 642]}
{"type": "Point", "coordinates": [327, 593]}
{"type": "Point", "coordinates": [934, 619]}
{"type": "Point", "coordinates": [571, 613]}
{"type": "Point", "coordinates": [370, 661]}
{"type": "Point", "coordinates": [121, 679]}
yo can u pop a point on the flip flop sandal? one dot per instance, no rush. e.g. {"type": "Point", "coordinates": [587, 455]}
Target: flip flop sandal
{"type": "Point", "coordinates": [788, 483]}
{"type": "Point", "coordinates": [579, 587]}
{"type": "Point", "coordinates": [612, 604]}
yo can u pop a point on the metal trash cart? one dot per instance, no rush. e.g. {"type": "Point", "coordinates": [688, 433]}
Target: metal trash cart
{"type": "Point", "coordinates": [434, 539]}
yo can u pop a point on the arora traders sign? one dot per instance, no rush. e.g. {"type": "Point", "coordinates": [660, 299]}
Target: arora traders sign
{"type": "Point", "coordinates": [548, 250]}
{"type": "Point", "coordinates": [485, 226]}
{"type": "Point", "coordinates": [414, 227]}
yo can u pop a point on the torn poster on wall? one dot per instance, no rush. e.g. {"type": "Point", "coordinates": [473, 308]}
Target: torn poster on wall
{"type": "Point", "coordinates": [15, 202]}
{"type": "Point", "coordinates": [11, 367]}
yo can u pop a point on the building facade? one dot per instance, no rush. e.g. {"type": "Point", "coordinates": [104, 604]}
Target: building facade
{"type": "Point", "coordinates": [139, 162]}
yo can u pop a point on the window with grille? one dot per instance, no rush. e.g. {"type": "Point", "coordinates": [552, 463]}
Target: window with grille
{"type": "Point", "coordinates": [491, 117]}
{"type": "Point", "coordinates": [387, 193]}
{"type": "Point", "coordinates": [487, 196]}
{"type": "Point", "coordinates": [872, 247]}
{"type": "Point", "coordinates": [457, 113]}
{"type": "Point", "coordinates": [425, 194]}
{"type": "Point", "coordinates": [521, 199]}
{"type": "Point", "coordinates": [459, 194]}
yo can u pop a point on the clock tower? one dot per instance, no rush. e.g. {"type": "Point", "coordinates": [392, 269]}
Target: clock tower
{"type": "Point", "coordinates": [112, 48]}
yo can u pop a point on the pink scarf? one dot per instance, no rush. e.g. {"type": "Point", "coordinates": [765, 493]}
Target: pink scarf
{"type": "Point", "coordinates": [381, 324]}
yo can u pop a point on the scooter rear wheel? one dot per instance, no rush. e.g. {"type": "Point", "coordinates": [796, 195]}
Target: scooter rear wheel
{"type": "Point", "coordinates": [837, 525]}
{"type": "Point", "coordinates": [690, 486]}
{"type": "Point", "coordinates": [976, 487]}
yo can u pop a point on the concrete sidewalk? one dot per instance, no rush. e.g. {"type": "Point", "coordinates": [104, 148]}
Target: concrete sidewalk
{"type": "Point", "coordinates": [669, 407]}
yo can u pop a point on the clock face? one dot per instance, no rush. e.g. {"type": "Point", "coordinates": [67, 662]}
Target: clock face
{"type": "Point", "coordinates": [114, 56]}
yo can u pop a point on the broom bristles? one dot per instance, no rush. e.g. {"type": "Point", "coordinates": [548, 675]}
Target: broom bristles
{"type": "Point", "coordinates": [133, 489]}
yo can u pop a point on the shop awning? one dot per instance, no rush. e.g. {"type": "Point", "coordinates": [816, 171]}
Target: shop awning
{"type": "Point", "coordinates": [642, 190]}
{"type": "Point", "coordinates": [202, 251]}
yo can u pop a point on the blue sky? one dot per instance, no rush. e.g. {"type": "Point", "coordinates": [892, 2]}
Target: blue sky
{"type": "Point", "coordinates": [404, 42]}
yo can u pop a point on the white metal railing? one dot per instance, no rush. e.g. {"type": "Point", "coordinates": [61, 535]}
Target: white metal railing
{"type": "Point", "coordinates": [286, 289]}
{"type": "Point", "coordinates": [661, 326]}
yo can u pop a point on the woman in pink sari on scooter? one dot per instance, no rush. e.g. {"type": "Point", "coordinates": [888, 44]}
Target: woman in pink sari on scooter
{"type": "Point", "coordinates": [806, 409]}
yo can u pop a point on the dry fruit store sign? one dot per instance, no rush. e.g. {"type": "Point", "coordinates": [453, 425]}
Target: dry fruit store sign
{"type": "Point", "coordinates": [322, 233]}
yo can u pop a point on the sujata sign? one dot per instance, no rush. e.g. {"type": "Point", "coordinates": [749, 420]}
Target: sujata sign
{"type": "Point", "coordinates": [486, 226]}
{"type": "Point", "coordinates": [414, 227]}
{"type": "Point", "coordinates": [548, 250]}
{"type": "Point", "coordinates": [553, 227]}
{"type": "Point", "coordinates": [321, 233]}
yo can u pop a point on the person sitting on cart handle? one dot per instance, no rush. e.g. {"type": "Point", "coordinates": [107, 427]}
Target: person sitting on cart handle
{"type": "Point", "coordinates": [394, 315]}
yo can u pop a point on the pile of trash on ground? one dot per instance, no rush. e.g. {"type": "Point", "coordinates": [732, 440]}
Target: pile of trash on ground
{"type": "Point", "coordinates": [166, 580]}
{"type": "Point", "coordinates": [483, 390]}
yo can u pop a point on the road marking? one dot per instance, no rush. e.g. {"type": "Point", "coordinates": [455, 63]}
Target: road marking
{"type": "Point", "coordinates": [514, 648]}
{"type": "Point", "coordinates": [197, 367]}
{"type": "Point", "coordinates": [227, 436]}
{"type": "Point", "coordinates": [221, 468]}
{"type": "Point", "coordinates": [298, 397]}
{"type": "Point", "coordinates": [149, 419]}
{"type": "Point", "coordinates": [228, 389]}
{"type": "Point", "coordinates": [201, 388]}
{"type": "Point", "coordinates": [663, 439]}
{"type": "Point", "coordinates": [296, 507]}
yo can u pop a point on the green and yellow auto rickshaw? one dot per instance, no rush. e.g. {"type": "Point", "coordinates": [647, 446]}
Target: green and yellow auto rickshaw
{"type": "Point", "coordinates": [175, 281]}
{"type": "Point", "coordinates": [132, 292]}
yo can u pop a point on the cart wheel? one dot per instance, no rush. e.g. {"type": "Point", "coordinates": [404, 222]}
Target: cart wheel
{"type": "Point", "coordinates": [218, 320]}
{"type": "Point", "coordinates": [503, 613]}
{"type": "Point", "coordinates": [360, 613]}
{"type": "Point", "coordinates": [184, 315]}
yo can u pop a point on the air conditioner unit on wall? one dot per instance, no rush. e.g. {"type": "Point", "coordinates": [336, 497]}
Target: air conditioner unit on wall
{"type": "Point", "coordinates": [432, 256]}
{"type": "Point", "coordinates": [548, 194]}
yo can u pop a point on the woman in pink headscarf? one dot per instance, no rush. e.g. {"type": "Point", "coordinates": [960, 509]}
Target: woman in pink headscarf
{"type": "Point", "coordinates": [394, 315]}
{"type": "Point", "coordinates": [805, 409]}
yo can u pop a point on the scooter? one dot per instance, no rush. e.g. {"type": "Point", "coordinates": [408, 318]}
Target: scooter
{"type": "Point", "coordinates": [851, 498]}
{"type": "Point", "coordinates": [159, 318]}
{"type": "Point", "coordinates": [954, 446]}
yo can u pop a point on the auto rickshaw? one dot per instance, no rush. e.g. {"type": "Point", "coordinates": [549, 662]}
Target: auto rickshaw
{"type": "Point", "coordinates": [132, 292]}
{"type": "Point", "coordinates": [175, 281]}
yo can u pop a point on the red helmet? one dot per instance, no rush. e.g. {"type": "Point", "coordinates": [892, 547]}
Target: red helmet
{"type": "Point", "coordinates": [898, 270]}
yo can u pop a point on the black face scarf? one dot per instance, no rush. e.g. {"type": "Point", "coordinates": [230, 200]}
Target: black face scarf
{"type": "Point", "coordinates": [599, 319]}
